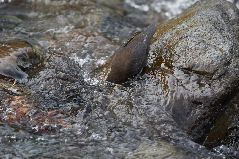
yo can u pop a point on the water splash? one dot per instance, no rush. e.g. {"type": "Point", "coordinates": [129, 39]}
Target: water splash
{"type": "Point", "coordinates": [172, 7]}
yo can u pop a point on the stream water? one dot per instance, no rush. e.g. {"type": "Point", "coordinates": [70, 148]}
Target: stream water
{"type": "Point", "coordinates": [85, 117]}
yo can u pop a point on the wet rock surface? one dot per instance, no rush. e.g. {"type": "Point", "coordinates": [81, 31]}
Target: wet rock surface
{"type": "Point", "coordinates": [65, 109]}
{"type": "Point", "coordinates": [223, 136]}
{"type": "Point", "coordinates": [194, 60]}
{"type": "Point", "coordinates": [200, 59]}
{"type": "Point", "coordinates": [17, 56]}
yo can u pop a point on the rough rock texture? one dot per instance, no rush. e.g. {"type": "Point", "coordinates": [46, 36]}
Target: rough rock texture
{"type": "Point", "coordinates": [197, 54]}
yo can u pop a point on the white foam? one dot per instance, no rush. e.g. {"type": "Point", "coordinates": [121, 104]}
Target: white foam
{"type": "Point", "coordinates": [101, 61]}
{"type": "Point", "coordinates": [80, 61]}
{"type": "Point", "coordinates": [84, 61]}
{"type": "Point", "coordinates": [95, 136]}
{"type": "Point", "coordinates": [65, 29]}
{"type": "Point", "coordinates": [2, 1]}
{"type": "Point", "coordinates": [169, 8]}
{"type": "Point", "coordinates": [143, 7]}
{"type": "Point", "coordinates": [173, 7]}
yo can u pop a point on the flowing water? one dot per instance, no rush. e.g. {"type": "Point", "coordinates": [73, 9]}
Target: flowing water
{"type": "Point", "coordinates": [71, 113]}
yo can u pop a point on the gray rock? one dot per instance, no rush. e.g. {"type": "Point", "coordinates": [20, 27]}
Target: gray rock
{"type": "Point", "coordinates": [9, 22]}
{"type": "Point", "coordinates": [198, 56]}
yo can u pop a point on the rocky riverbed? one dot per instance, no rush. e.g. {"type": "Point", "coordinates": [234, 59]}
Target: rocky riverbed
{"type": "Point", "coordinates": [55, 102]}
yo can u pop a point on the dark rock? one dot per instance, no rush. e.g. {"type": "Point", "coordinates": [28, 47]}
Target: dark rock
{"type": "Point", "coordinates": [225, 131]}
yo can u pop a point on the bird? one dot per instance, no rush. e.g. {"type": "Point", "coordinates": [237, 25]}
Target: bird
{"type": "Point", "coordinates": [131, 58]}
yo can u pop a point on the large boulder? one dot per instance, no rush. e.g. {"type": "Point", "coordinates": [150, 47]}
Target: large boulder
{"type": "Point", "coordinates": [196, 56]}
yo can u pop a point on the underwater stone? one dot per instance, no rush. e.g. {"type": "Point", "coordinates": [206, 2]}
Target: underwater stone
{"type": "Point", "coordinates": [17, 57]}
{"type": "Point", "coordinates": [9, 22]}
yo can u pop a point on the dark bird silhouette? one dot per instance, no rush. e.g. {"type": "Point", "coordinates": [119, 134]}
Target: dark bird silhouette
{"type": "Point", "coordinates": [131, 58]}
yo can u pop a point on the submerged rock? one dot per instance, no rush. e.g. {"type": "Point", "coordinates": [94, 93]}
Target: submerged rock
{"type": "Point", "coordinates": [58, 91]}
{"type": "Point", "coordinates": [18, 56]}
{"type": "Point", "coordinates": [156, 150]}
{"type": "Point", "coordinates": [22, 112]}
{"type": "Point", "coordinates": [9, 22]}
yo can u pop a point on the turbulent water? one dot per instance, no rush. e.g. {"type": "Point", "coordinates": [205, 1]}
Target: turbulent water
{"type": "Point", "coordinates": [97, 119]}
